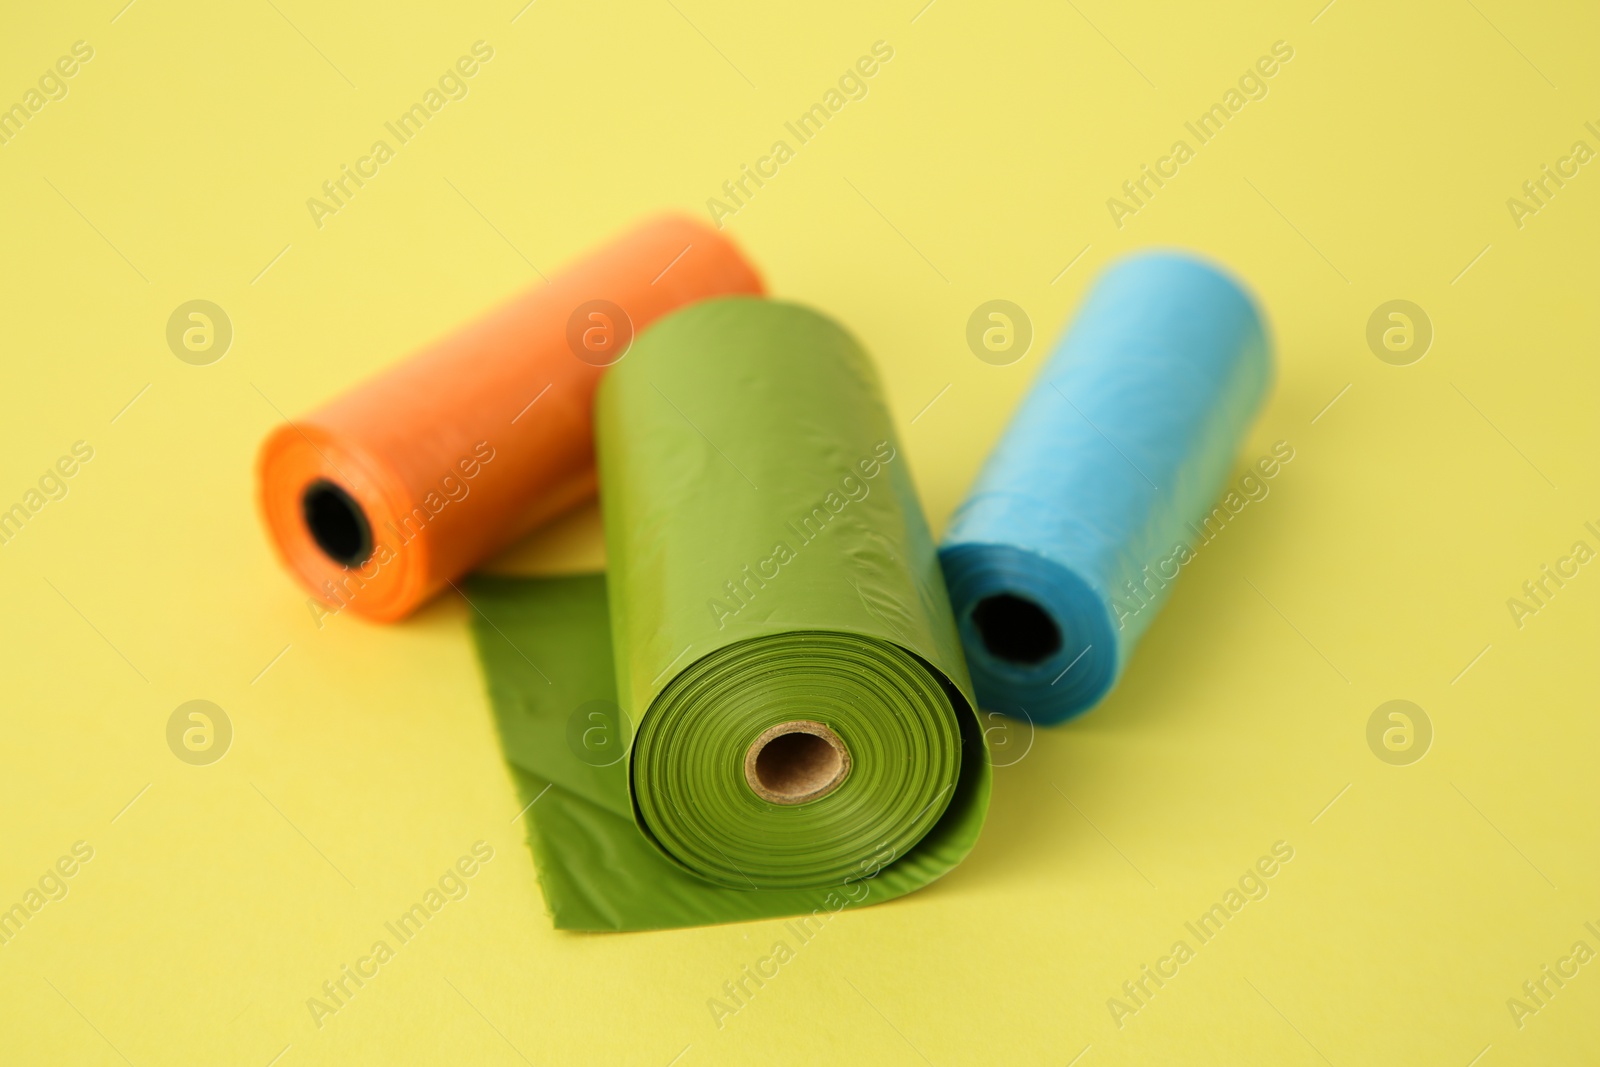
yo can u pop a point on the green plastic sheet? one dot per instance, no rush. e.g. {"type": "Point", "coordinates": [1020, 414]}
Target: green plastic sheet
{"type": "Point", "coordinates": [768, 562]}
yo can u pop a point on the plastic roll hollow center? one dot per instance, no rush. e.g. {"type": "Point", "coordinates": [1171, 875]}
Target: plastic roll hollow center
{"type": "Point", "coordinates": [795, 762]}
{"type": "Point", "coordinates": [337, 523]}
{"type": "Point", "coordinates": [1016, 629]}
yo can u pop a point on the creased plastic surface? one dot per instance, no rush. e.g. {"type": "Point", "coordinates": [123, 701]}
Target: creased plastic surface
{"type": "Point", "coordinates": [447, 453]}
{"type": "Point", "coordinates": [768, 561]}
{"type": "Point", "coordinates": [1125, 440]}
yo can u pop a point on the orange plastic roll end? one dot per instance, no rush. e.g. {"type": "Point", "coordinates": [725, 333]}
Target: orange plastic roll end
{"type": "Point", "coordinates": [380, 499]}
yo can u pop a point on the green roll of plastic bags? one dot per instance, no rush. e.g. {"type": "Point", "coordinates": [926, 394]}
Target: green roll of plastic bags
{"type": "Point", "coordinates": [762, 709]}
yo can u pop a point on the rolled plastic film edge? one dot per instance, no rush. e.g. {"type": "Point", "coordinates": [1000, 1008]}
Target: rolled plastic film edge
{"type": "Point", "coordinates": [1123, 441]}
{"type": "Point", "coordinates": [380, 498]}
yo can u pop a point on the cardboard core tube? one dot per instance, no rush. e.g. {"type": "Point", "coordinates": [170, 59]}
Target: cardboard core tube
{"type": "Point", "coordinates": [796, 762]}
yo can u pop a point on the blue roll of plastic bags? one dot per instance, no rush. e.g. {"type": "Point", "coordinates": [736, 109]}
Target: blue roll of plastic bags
{"type": "Point", "coordinates": [1072, 536]}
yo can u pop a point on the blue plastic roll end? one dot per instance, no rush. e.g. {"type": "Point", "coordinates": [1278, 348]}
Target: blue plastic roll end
{"type": "Point", "coordinates": [1039, 642]}
{"type": "Point", "coordinates": [1070, 540]}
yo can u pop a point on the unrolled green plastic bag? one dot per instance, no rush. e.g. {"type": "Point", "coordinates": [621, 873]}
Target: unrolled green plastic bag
{"type": "Point", "coordinates": [762, 709]}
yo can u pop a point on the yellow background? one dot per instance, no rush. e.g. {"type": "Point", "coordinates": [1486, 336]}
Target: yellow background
{"type": "Point", "coordinates": [364, 760]}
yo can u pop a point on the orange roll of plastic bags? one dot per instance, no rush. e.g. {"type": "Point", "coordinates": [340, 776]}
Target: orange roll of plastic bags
{"type": "Point", "coordinates": [381, 498]}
